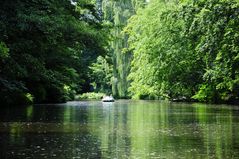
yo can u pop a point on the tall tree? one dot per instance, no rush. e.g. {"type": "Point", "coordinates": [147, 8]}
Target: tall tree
{"type": "Point", "coordinates": [118, 12]}
{"type": "Point", "coordinates": [51, 43]}
{"type": "Point", "coordinates": [185, 49]}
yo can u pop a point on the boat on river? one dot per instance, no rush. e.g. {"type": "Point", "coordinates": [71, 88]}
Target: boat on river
{"type": "Point", "coordinates": [108, 99]}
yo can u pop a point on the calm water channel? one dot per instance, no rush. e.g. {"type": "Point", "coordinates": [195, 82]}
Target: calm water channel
{"type": "Point", "coordinates": [124, 129]}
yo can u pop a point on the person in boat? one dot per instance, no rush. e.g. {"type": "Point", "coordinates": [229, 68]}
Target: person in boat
{"type": "Point", "coordinates": [108, 98]}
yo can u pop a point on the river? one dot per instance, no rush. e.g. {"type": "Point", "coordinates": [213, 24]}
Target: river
{"type": "Point", "coordinates": [124, 129]}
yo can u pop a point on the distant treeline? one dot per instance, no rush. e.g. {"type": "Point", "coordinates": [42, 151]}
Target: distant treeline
{"type": "Point", "coordinates": [186, 49]}
{"type": "Point", "coordinates": [46, 48]}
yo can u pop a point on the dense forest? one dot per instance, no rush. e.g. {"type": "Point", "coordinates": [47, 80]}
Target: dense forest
{"type": "Point", "coordinates": [51, 50]}
{"type": "Point", "coordinates": [186, 50]}
{"type": "Point", "coordinates": [46, 48]}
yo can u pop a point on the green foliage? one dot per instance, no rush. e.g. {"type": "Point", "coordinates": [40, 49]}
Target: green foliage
{"type": "Point", "coordinates": [3, 50]}
{"type": "Point", "coordinates": [102, 73]}
{"type": "Point", "coordinates": [13, 92]}
{"type": "Point", "coordinates": [29, 97]}
{"type": "Point", "coordinates": [89, 96]}
{"type": "Point", "coordinates": [49, 44]}
{"type": "Point", "coordinates": [187, 49]}
{"type": "Point", "coordinates": [51, 50]}
{"type": "Point", "coordinates": [207, 93]}
{"type": "Point", "coordinates": [118, 12]}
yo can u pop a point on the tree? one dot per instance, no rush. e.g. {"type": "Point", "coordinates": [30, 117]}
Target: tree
{"type": "Point", "coordinates": [118, 12]}
{"type": "Point", "coordinates": [102, 72]}
{"type": "Point", "coordinates": [185, 50]}
{"type": "Point", "coordinates": [51, 44]}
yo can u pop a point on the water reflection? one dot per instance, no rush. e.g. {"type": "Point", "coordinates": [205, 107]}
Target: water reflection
{"type": "Point", "coordinates": [124, 129]}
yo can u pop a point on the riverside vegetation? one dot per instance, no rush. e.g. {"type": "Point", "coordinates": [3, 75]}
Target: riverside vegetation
{"type": "Point", "coordinates": [51, 50]}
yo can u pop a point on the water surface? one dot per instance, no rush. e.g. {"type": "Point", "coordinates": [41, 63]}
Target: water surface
{"type": "Point", "coordinates": [124, 129]}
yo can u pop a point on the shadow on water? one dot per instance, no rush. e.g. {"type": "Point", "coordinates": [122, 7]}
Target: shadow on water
{"type": "Point", "coordinates": [124, 129]}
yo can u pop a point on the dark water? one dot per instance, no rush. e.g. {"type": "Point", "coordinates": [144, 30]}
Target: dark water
{"type": "Point", "coordinates": [124, 129]}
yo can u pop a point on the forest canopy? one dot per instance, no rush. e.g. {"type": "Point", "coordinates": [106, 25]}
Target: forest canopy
{"type": "Point", "coordinates": [51, 50]}
{"type": "Point", "coordinates": [185, 50]}
{"type": "Point", "coordinates": [46, 47]}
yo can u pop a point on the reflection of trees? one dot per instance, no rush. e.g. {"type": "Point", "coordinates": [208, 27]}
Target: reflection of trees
{"type": "Point", "coordinates": [16, 113]}
{"type": "Point", "coordinates": [65, 134]}
{"type": "Point", "coordinates": [82, 142]}
{"type": "Point", "coordinates": [123, 130]}
{"type": "Point", "coordinates": [151, 130]}
{"type": "Point", "coordinates": [112, 130]}
{"type": "Point", "coordinates": [215, 124]}
{"type": "Point", "coordinates": [179, 130]}
{"type": "Point", "coordinates": [29, 112]}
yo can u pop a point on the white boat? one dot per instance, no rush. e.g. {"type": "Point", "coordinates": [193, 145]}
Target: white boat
{"type": "Point", "coordinates": [108, 99]}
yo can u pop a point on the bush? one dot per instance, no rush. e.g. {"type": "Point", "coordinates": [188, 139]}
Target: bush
{"type": "Point", "coordinates": [89, 96]}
